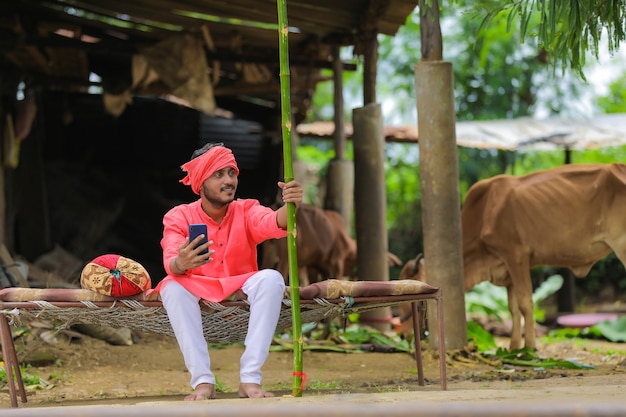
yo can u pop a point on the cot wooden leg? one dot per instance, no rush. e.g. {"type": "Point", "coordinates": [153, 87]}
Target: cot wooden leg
{"type": "Point", "coordinates": [418, 344]}
{"type": "Point", "coordinates": [442, 343]}
{"type": "Point", "coordinates": [11, 364]}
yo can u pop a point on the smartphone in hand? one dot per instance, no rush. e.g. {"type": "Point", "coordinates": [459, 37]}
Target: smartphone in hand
{"type": "Point", "coordinates": [199, 229]}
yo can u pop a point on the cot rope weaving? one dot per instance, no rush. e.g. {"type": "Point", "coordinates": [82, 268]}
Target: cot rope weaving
{"type": "Point", "coordinates": [224, 322]}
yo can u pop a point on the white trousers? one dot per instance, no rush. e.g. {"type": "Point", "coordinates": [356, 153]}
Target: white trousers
{"type": "Point", "coordinates": [265, 291]}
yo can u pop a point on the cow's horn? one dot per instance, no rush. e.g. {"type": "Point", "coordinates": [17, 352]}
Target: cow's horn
{"type": "Point", "coordinates": [416, 261]}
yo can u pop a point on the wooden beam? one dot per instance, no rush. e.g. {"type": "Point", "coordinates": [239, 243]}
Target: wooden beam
{"type": "Point", "coordinates": [339, 136]}
{"type": "Point", "coordinates": [122, 49]}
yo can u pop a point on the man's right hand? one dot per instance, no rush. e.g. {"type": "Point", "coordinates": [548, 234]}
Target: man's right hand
{"type": "Point", "coordinates": [189, 256]}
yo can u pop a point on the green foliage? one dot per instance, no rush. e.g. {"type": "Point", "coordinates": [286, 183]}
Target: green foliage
{"type": "Point", "coordinates": [404, 209]}
{"type": "Point", "coordinates": [601, 155]}
{"type": "Point", "coordinates": [528, 357]}
{"type": "Point", "coordinates": [396, 67]}
{"type": "Point", "coordinates": [487, 299]}
{"type": "Point", "coordinates": [491, 300]}
{"type": "Point", "coordinates": [497, 78]}
{"type": "Point", "coordinates": [353, 339]}
{"type": "Point", "coordinates": [615, 102]}
{"type": "Point", "coordinates": [360, 335]}
{"type": "Point", "coordinates": [567, 30]}
{"type": "Point", "coordinates": [316, 155]}
{"type": "Point", "coordinates": [322, 107]}
{"type": "Point", "coordinates": [31, 381]}
{"type": "Point", "coordinates": [614, 331]}
{"type": "Point", "coordinates": [547, 288]}
{"type": "Point", "coordinates": [487, 347]}
{"type": "Point", "coordinates": [499, 72]}
{"type": "Point", "coordinates": [559, 335]}
{"type": "Point", "coordinates": [220, 387]}
{"type": "Point", "coordinates": [477, 164]}
{"type": "Point", "coordinates": [480, 337]}
{"type": "Point", "coordinates": [496, 75]}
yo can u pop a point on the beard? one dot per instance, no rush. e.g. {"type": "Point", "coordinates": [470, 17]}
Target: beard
{"type": "Point", "coordinates": [220, 199]}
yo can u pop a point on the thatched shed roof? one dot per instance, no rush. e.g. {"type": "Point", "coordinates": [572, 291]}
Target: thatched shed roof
{"type": "Point", "coordinates": [60, 42]}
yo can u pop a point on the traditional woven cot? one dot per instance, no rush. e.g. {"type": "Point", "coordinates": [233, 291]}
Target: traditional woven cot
{"type": "Point", "coordinates": [223, 322]}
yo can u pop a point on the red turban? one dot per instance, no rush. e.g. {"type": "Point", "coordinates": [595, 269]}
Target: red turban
{"type": "Point", "coordinates": [203, 166]}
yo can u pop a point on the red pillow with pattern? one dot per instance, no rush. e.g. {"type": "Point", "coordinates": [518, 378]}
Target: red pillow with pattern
{"type": "Point", "coordinates": [115, 275]}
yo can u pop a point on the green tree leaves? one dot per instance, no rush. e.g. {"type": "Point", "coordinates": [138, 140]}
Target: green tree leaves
{"type": "Point", "coordinates": [566, 29]}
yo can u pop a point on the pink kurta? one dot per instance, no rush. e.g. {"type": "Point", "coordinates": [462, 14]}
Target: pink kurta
{"type": "Point", "coordinates": [246, 224]}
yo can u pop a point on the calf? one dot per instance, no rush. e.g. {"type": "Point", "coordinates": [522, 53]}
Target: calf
{"type": "Point", "coordinates": [325, 249]}
{"type": "Point", "coordinates": [323, 244]}
{"type": "Point", "coordinates": [412, 269]}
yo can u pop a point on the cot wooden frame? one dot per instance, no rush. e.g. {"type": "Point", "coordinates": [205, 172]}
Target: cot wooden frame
{"type": "Point", "coordinates": [311, 310]}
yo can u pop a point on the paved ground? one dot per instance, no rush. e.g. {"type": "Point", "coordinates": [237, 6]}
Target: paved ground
{"type": "Point", "coordinates": [594, 396]}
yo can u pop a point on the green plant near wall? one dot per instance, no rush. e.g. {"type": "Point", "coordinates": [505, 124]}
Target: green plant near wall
{"type": "Point", "coordinates": [491, 300]}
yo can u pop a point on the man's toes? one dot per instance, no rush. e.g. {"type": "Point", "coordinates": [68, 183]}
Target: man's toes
{"type": "Point", "coordinates": [202, 392]}
{"type": "Point", "coordinates": [253, 391]}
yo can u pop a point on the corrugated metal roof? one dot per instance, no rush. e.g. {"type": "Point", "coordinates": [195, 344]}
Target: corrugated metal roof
{"type": "Point", "coordinates": [512, 134]}
{"type": "Point", "coordinates": [546, 134]}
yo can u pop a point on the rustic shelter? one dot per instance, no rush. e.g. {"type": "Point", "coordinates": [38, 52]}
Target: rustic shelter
{"type": "Point", "coordinates": [103, 100]}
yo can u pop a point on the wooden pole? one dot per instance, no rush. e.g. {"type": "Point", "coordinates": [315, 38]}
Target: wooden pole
{"type": "Point", "coordinates": [339, 135]}
{"type": "Point", "coordinates": [340, 175]}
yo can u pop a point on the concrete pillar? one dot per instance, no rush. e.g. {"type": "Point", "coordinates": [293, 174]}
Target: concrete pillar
{"type": "Point", "coordinates": [371, 204]}
{"type": "Point", "coordinates": [441, 216]}
{"type": "Point", "coordinates": [340, 189]}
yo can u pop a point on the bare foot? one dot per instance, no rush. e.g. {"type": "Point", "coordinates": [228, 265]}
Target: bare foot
{"type": "Point", "coordinates": [202, 392]}
{"type": "Point", "coordinates": [250, 390]}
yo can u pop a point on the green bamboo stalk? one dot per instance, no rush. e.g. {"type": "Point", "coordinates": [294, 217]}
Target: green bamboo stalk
{"type": "Point", "coordinates": [285, 89]}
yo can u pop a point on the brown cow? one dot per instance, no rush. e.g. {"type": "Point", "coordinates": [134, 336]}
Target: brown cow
{"type": "Point", "coordinates": [570, 216]}
{"type": "Point", "coordinates": [323, 246]}
{"type": "Point", "coordinates": [325, 249]}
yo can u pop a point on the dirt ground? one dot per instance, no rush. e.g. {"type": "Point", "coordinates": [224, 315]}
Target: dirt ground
{"type": "Point", "coordinates": [86, 371]}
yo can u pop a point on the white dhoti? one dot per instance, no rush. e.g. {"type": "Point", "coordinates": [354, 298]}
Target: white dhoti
{"type": "Point", "coordinates": [264, 290]}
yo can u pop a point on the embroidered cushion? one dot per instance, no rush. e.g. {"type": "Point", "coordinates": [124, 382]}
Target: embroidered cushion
{"type": "Point", "coordinates": [115, 275]}
{"type": "Point", "coordinates": [335, 288]}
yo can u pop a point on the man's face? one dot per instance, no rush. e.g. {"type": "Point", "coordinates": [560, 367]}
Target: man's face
{"type": "Point", "coordinates": [219, 189]}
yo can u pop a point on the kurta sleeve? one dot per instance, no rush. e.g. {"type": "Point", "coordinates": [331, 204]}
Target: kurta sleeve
{"type": "Point", "coordinates": [262, 223]}
{"type": "Point", "coordinates": [174, 234]}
